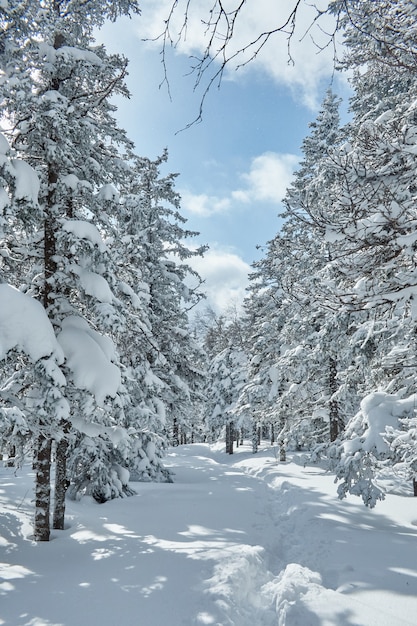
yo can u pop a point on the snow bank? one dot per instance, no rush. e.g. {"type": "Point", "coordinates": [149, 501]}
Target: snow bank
{"type": "Point", "coordinates": [294, 582]}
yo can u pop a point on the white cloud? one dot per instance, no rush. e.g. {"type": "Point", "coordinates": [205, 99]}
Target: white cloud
{"type": "Point", "coordinates": [269, 176]}
{"type": "Point", "coordinates": [311, 53]}
{"type": "Point", "coordinates": [225, 275]}
{"type": "Point", "coordinates": [203, 204]}
{"type": "Point", "coordinates": [268, 179]}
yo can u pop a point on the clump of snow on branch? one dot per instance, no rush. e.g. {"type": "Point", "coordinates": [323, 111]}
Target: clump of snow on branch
{"type": "Point", "coordinates": [84, 230]}
{"type": "Point", "coordinates": [25, 180]}
{"type": "Point", "coordinates": [90, 355]}
{"type": "Point", "coordinates": [379, 410]}
{"type": "Point", "coordinates": [24, 325]}
{"type": "Point", "coordinates": [96, 286]}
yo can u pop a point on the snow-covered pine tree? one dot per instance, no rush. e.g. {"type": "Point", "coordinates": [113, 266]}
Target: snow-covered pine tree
{"type": "Point", "coordinates": [224, 339]}
{"type": "Point", "coordinates": [159, 354]}
{"type": "Point", "coordinates": [157, 240]}
{"type": "Point", "coordinates": [258, 405]}
{"type": "Point", "coordinates": [299, 367]}
{"type": "Point", "coordinates": [31, 382]}
{"type": "Point", "coordinates": [55, 92]}
{"type": "Point", "coordinates": [372, 237]}
{"type": "Point", "coordinates": [307, 210]}
{"type": "Point", "coordinates": [226, 377]}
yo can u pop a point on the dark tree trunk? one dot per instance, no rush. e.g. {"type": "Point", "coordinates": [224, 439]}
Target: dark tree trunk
{"type": "Point", "coordinates": [255, 440]}
{"type": "Point", "coordinates": [229, 437]}
{"type": "Point", "coordinates": [281, 438]}
{"type": "Point", "coordinates": [42, 461]}
{"type": "Point", "coordinates": [333, 406]}
{"type": "Point", "coordinates": [175, 433]}
{"type": "Point", "coordinates": [61, 483]}
{"type": "Point", "coordinates": [282, 450]}
{"type": "Point", "coordinates": [272, 434]}
{"type": "Point", "coordinates": [42, 489]}
{"type": "Point", "coordinates": [415, 487]}
{"type": "Point", "coordinates": [11, 456]}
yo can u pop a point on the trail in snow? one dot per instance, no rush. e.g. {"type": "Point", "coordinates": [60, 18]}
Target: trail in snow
{"type": "Point", "coordinates": [236, 541]}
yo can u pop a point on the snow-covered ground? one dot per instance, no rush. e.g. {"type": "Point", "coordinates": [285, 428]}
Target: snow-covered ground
{"type": "Point", "coordinates": [240, 540]}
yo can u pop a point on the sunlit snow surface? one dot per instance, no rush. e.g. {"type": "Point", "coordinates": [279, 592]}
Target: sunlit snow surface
{"type": "Point", "coordinates": [235, 541]}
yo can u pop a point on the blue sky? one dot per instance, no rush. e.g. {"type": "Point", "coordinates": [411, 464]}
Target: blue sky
{"type": "Point", "coordinates": [235, 165]}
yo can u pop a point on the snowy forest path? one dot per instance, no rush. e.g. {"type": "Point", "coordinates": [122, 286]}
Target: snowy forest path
{"type": "Point", "coordinates": [236, 540]}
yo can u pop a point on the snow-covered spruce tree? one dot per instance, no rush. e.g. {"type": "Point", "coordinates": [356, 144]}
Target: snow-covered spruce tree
{"type": "Point", "coordinates": [373, 234]}
{"type": "Point", "coordinates": [401, 438]}
{"type": "Point", "coordinates": [258, 405]}
{"type": "Point", "coordinates": [223, 338]}
{"type": "Point", "coordinates": [31, 382]}
{"type": "Point", "coordinates": [226, 377]}
{"type": "Point", "coordinates": [27, 395]}
{"type": "Point", "coordinates": [55, 92]}
{"type": "Point", "coordinates": [307, 211]}
{"type": "Point", "coordinates": [299, 367]}
{"type": "Point", "coordinates": [158, 352]}
{"type": "Point", "coordinates": [377, 257]}
{"type": "Point", "coordinates": [287, 366]}
{"type": "Point", "coordinates": [153, 231]}
{"type": "Point", "coordinates": [379, 437]}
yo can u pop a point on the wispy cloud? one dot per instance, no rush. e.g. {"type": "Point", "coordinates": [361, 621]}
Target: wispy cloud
{"type": "Point", "coordinates": [203, 204]}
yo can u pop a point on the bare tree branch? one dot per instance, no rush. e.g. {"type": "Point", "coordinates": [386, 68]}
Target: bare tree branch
{"type": "Point", "coordinates": [220, 29]}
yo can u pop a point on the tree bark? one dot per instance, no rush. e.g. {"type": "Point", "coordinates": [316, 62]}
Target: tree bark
{"type": "Point", "coordinates": [229, 437]}
{"type": "Point", "coordinates": [333, 407]}
{"type": "Point", "coordinates": [42, 461]}
{"type": "Point", "coordinates": [282, 450]}
{"type": "Point", "coordinates": [255, 443]}
{"type": "Point", "coordinates": [175, 433]}
{"type": "Point", "coordinates": [281, 438]}
{"type": "Point", "coordinates": [42, 488]}
{"type": "Point", "coordinates": [61, 483]}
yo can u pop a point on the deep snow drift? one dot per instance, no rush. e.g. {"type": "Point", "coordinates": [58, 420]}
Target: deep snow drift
{"type": "Point", "coordinates": [236, 541]}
